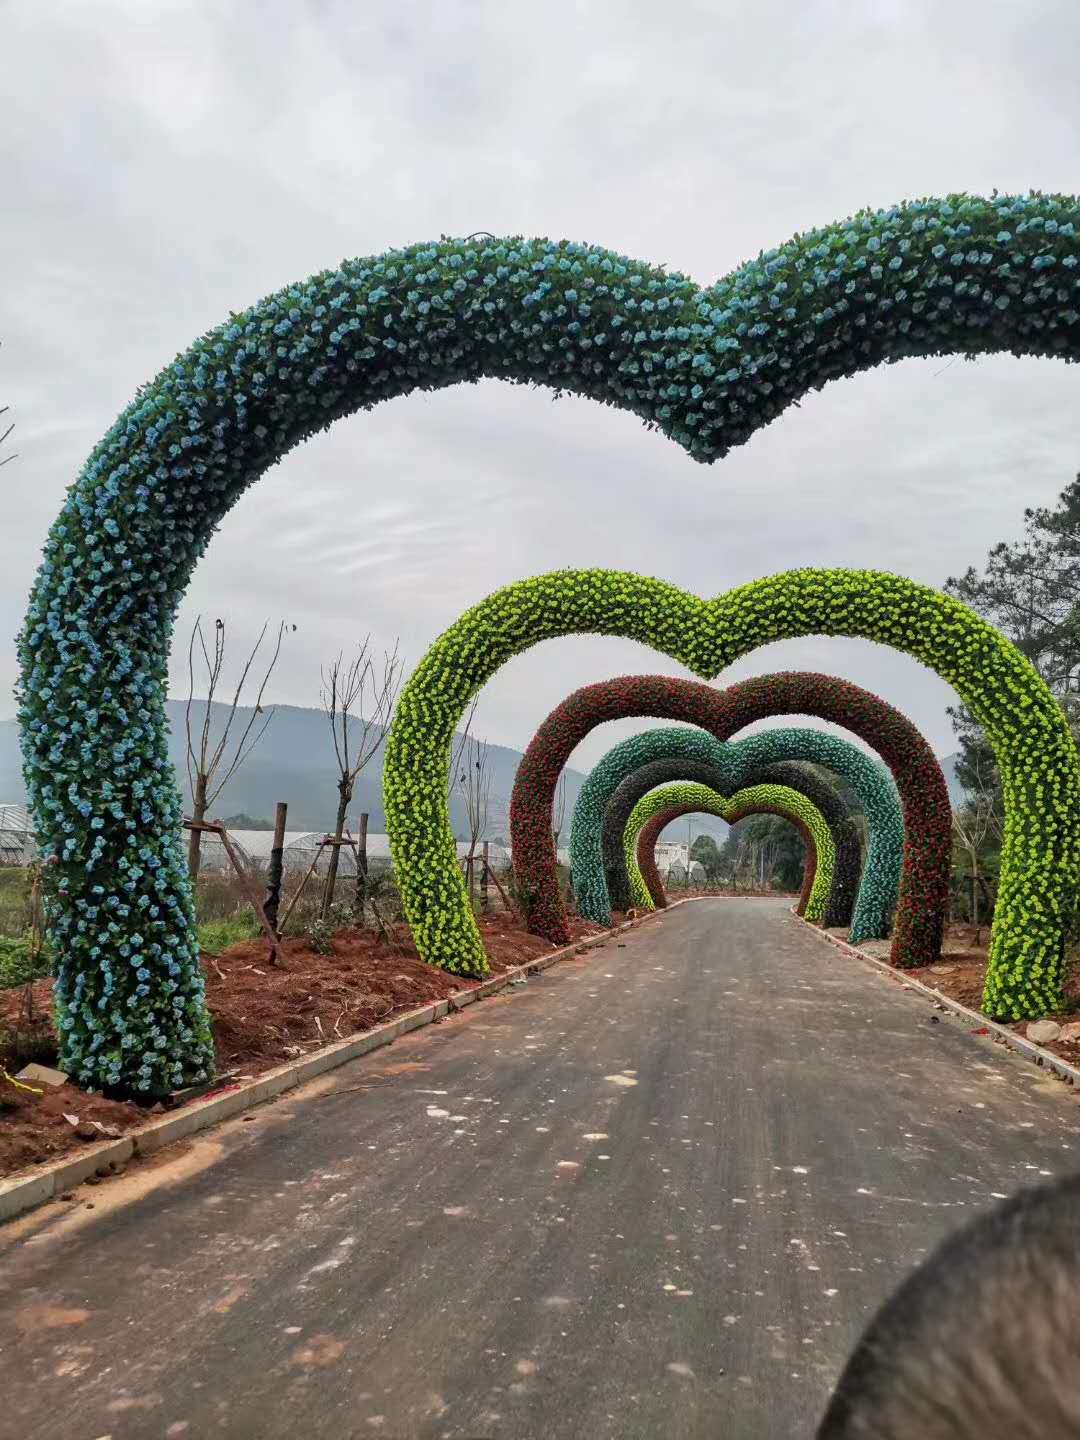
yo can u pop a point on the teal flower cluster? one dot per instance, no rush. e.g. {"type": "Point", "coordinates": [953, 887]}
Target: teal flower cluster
{"type": "Point", "coordinates": [735, 761]}
{"type": "Point", "coordinates": [667, 804]}
{"type": "Point", "coordinates": [707, 365]}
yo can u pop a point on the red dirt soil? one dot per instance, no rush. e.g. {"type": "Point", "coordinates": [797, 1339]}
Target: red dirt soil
{"type": "Point", "coordinates": [262, 1016]}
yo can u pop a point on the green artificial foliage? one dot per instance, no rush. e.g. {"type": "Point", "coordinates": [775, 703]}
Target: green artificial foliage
{"type": "Point", "coordinates": [924, 880]}
{"type": "Point", "coordinates": [1038, 762]}
{"type": "Point", "coordinates": [735, 760]}
{"type": "Point", "coordinates": [708, 365]}
{"type": "Point", "coordinates": [808, 782]}
{"type": "Point", "coordinates": [676, 800]}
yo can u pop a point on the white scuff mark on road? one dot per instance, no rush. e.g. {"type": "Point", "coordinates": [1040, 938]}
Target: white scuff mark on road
{"type": "Point", "coordinates": [434, 1113]}
{"type": "Point", "coordinates": [623, 1080]}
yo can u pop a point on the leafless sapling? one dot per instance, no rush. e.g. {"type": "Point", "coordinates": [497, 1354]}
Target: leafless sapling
{"type": "Point", "coordinates": [358, 698]}
{"type": "Point", "coordinates": [211, 765]}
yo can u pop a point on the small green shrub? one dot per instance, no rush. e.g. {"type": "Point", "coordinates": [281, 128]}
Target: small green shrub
{"type": "Point", "coordinates": [14, 895]}
{"type": "Point", "coordinates": [18, 963]}
{"type": "Point", "coordinates": [218, 935]}
{"type": "Point", "coordinates": [320, 934]}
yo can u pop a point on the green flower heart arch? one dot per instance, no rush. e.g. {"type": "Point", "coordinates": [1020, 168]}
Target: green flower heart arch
{"type": "Point", "coordinates": [847, 856]}
{"type": "Point", "coordinates": [707, 365]}
{"type": "Point", "coordinates": [591, 856]}
{"type": "Point", "coordinates": [652, 830]}
{"type": "Point", "coordinates": [671, 801]}
{"type": "Point", "coordinates": [1037, 759]}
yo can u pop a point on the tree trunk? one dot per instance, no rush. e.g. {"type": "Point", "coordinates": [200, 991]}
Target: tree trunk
{"type": "Point", "coordinates": [361, 866]}
{"type": "Point", "coordinates": [485, 900]}
{"type": "Point", "coordinates": [198, 814]}
{"type": "Point", "coordinates": [344, 796]}
{"type": "Point", "coordinates": [273, 878]}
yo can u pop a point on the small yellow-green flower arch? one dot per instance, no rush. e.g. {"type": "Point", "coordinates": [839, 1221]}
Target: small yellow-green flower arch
{"type": "Point", "coordinates": [777, 799]}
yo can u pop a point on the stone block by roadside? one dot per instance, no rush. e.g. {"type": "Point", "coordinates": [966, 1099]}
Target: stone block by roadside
{"type": "Point", "coordinates": [1043, 1030]}
{"type": "Point", "coordinates": [35, 1074]}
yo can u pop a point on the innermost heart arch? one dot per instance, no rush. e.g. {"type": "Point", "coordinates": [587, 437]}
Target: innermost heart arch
{"type": "Point", "coordinates": [656, 810]}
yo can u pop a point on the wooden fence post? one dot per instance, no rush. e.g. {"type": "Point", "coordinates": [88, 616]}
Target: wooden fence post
{"type": "Point", "coordinates": [510, 906]}
{"type": "Point", "coordinates": [277, 860]}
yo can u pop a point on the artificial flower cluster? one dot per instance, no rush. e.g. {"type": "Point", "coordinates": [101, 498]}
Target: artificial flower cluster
{"type": "Point", "coordinates": [596, 855]}
{"type": "Point", "coordinates": [708, 366]}
{"type": "Point", "coordinates": [923, 895]}
{"type": "Point", "coordinates": [657, 809]}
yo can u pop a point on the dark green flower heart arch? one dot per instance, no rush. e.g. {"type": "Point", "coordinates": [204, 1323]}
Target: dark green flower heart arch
{"type": "Point", "coordinates": [706, 365]}
{"type": "Point", "coordinates": [847, 854]}
{"type": "Point", "coordinates": [667, 803]}
{"type": "Point", "coordinates": [1035, 752]}
{"type": "Point", "coordinates": [590, 855]}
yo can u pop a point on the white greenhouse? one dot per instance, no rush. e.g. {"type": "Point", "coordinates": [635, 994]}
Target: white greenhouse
{"type": "Point", "coordinates": [17, 843]}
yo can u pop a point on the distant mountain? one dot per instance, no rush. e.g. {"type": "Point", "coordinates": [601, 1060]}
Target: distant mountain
{"type": "Point", "coordinates": [294, 762]}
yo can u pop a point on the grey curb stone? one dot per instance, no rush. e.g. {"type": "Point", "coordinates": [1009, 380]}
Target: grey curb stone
{"type": "Point", "coordinates": [1030, 1051]}
{"type": "Point", "coordinates": [18, 1195]}
{"type": "Point", "coordinates": [26, 1192]}
{"type": "Point", "coordinates": [84, 1163]}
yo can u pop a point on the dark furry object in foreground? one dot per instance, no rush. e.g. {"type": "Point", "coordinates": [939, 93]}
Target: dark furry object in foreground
{"type": "Point", "coordinates": [982, 1341]}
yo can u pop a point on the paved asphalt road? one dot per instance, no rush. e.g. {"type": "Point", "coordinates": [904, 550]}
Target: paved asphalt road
{"type": "Point", "coordinates": [655, 1193]}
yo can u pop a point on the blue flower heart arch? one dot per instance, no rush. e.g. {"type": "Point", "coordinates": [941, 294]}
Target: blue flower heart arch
{"type": "Point", "coordinates": [707, 365]}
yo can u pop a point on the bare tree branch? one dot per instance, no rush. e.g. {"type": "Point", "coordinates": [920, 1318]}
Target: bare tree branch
{"type": "Point", "coordinates": [3, 411]}
{"type": "Point", "coordinates": [474, 781]}
{"type": "Point", "coordinates": [210, 768]}
{"type": "Point", "coordinates": [462, 741]}
{"type": "Point", "coordinates": [358, 702]}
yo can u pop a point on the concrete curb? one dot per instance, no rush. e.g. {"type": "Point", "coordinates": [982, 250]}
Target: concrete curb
{"type": "Point", "coordinates": [26, 1192]}
{"type": "Point", "coordinates": [1030, 1051]}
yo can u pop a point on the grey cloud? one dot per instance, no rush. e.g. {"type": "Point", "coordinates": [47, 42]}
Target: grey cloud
{"type": "Point", "coordinates": [165, 163]}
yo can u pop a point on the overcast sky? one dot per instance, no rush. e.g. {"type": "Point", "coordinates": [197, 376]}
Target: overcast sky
{"type": "Point", "coordinates": [165, 163]}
